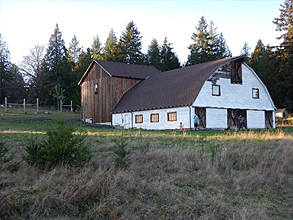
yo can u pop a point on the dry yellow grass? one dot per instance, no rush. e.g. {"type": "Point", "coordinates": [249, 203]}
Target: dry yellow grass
{"type": "Point", "coordinates": [241, 175]}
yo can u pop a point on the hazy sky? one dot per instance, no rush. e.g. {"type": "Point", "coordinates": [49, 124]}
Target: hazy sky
{"type": "Point", "coordinates": [24, 23]}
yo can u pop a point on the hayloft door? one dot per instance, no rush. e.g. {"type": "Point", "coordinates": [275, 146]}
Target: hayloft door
{"type": "Point", "coordinates": [269, 119]}
{"type": "Point", "coordinates": [201, 112]}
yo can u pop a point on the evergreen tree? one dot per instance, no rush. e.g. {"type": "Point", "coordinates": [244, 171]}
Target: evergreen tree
{"type": "Point", "coordinates": [153, 54]}
{"type": "Point", "coordinates": [284, 55]}
{"type": "Point", "coordinates": [74, 50]}
{"type": "Point", "coordinates": [213, 41]}
{"type": "Point", "coordinates": [56, 69]}
{"type": "Point", "coordinates": [4, 67]}
{"type": "Point", "coordinates": [222, 48]}
{"type": "Point", "coordinates": [130, 44]}
{"type": "Point", "coordinates": [111, 48]}
{"type": "Point", "coordinates": [169, 60]}
{"type": "Point", "coordinates": [202, 49]}
{"type": "Point", "coordinates": [96, 50]}
{"type": "Point", "coordinates": [15, 85]}
{"type": "Point", "coordinates": [81, 66]}
{"type": "Point", "coordinates": [245, 51]}
{"type": "Point", "coordinates": [262, 61]}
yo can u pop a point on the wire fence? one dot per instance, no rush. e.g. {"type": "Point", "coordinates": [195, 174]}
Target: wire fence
{"type": "Point", "coordinates": [33, 107]}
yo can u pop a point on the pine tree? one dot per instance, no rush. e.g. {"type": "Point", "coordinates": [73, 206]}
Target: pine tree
{"type": "Point", "coordinates": [84, 60]}
{"type": "Point", "coordinates": [96, 50]}
{"type": "Point", "coordinates": [130, 44]}
{"type": "Point", "coordinates": [56, 69]}
{"type": "Point", "coordinates": [263, 63]}
{"type": "Point", "coordinates": [15, 85]}
{"type": "Point", "coordinates": [202, 49]}
{"type": "Point", "coordinates": [245, 51]}
{"type": "Point", "coordinates": [111, 48]}
{"type": "Point", "coordinates": [74, 50]}
{"type": "Point", "coordinates": [284, 55]}
{"type": "Point", "coordinates": [222, 48]}
{"type": "Point", "coordinates": [153, 54]}
{"type": "Point", "coordinates": [4, 67]}
{"type": "Point", "coordinates": [169, 60]}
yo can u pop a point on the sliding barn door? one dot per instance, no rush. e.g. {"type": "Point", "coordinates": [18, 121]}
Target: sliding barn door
{"type": "Point", "coordinates": [233, 115]}
{"type": "Point", "coordinates": [269, 119]}
{"type": "Point", "coordinates": [201, 112]}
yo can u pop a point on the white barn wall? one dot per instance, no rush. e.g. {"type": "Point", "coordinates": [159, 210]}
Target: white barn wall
{"type": "Point", "coordinates": [216, 118]}
{"type": "Point", "coordinates": [236, 95]}
{"type": "Point", "coordinates": [183, 115]}
{"type": "Point", "coordinates": [255, 119]}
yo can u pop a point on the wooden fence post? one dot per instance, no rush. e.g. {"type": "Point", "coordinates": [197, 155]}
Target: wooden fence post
{"type": "Point", "coordinates": [37, 105]}
{"type": "Point", "coordinates": [5, 108]}
{"type": "Point", "coordinates": [60, 105]}
{"type": "Point", "coordinates": [24, 106]}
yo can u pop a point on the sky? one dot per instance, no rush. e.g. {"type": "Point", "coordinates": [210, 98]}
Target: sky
{"type": "Point", "coordinates": [25, 23]}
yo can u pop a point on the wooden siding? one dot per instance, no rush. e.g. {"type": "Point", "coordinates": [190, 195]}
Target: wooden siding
{"type": "Point", "coordinates": [98, 105]}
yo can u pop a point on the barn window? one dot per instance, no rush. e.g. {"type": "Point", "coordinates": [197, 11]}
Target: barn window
{"type": "Point", "coordinates": [154, 117]}
{"type": "Point", "coordinates": [216, 90]}
{"type": "Point", "coordinates": [255, 93]}
{"type": "Point", "coordinates": [236, 72]}
{"type": "Point", "coordinates": [172, 116]}
{"type": "Point", "coordinates": [138, 119]}
{"type": "Point", "coordinates": [96, 88]}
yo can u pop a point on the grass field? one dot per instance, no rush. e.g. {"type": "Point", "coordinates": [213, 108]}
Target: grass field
{"type": "Point", "coordinates": [172, 174]}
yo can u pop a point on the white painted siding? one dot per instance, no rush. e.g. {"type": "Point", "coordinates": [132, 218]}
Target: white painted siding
{"type": "Point", "coordinates": [255, 119]}
{"type": "Point", "coordinates": [216, 118]}
{"type": "Point", "coordinates": [236, 95]}
{"type": "Point", "coordinates": [183, 115]}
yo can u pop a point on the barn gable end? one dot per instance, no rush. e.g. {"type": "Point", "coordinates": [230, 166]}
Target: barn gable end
{"type": "Point", "coordinates": [104, 83]}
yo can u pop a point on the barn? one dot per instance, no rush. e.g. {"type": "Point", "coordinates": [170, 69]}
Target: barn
{"type": "Point", "coordinates": [104, 83]}
{"type": "Point", "coordinates": [135, 96]}
{"type": "Point", "coordinates": [218, 91]}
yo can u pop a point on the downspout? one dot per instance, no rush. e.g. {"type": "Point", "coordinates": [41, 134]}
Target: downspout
{"type": "Point", "coordinates": [190, 117]}
{"type": "Point", "coordinates": [131, 119]}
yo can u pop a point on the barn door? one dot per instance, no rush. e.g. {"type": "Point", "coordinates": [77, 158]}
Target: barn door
{"type": "Point", "coordinates": [269, 119]}
{"type": "Point", "coordinates": [233, 118]}
{"type": "Point", "coordinates": [201, 112]}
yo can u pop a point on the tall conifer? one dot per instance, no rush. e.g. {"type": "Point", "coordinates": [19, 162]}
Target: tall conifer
{"type": "Point", "coordinates": [130, 44]}
{"type": "Point", "coordinates": [169, 60]}
{"type": "Point", "coordinates": [284, 55]}
{"type": "Point", "coordinates": [56, 69]}
{"type": "Point", "coordinates": [153, 54]}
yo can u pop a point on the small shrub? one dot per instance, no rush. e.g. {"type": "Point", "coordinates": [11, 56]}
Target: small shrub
{"type": "Point", "coordinates": [61, 147]}
{"type": "Point", "coordinates": [121, 153]}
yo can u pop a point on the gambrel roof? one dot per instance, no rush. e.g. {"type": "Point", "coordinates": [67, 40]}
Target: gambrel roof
{"type": "Point", "coordinates": [123, 70]}
{"type": "Point", "coordinates": [175, 88]}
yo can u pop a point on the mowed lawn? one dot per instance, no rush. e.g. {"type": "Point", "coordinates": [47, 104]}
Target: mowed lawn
{"type": "Point", "coordinates": [171, 174]}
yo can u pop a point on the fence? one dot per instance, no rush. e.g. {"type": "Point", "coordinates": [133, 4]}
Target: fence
{"type": "Point", "coordinates": [24, 105]}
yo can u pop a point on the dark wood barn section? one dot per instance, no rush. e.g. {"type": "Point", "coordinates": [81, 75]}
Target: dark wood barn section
{"type": "Point", "coordinates": [104, 83]}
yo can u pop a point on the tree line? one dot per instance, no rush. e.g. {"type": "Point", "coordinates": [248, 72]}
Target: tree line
{"type": "Point", "coordinates": [52, 73]}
